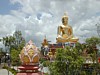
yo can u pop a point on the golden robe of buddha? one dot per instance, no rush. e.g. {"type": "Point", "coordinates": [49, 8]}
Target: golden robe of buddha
{"type": "Point", "coordinates": [65, 32]}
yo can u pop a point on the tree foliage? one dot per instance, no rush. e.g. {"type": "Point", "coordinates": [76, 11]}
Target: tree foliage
{"type": "Point", "coordinates": [67, 61]}
{"type": "Point", "coordinates": [15, 44]}
{"type": "Point", "coordinates": [93, 40]}
{"type": "Point", "coordinates": [92, 45]}
{"type": "Point", "coordinates": [92, 49]}
{"type": "Point", "coordinates": [15, 57]}
{"type": "Point", "coordinates": [17, 47]}
{"type": "Point", "coordinates": [2, 53]}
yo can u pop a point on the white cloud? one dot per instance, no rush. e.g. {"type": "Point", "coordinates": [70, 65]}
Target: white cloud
{"type": "Point", "coordinates": [40, 34]}
{"type": "Point", "coordinates": [36, 18]}
{"type": "Point", "coordinates": [87, 28]}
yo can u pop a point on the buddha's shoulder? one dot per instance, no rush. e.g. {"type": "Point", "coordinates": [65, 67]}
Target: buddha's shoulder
{"type": "Point", "coordinates": [61, 26]}
{"type": "Point", "coordinates": [69, 26]}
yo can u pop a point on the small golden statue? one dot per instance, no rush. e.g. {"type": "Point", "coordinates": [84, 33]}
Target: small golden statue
{"type": "Point", "coordinates": [45, 42]}
{"type": "Point", "coordinates": [65, 32]}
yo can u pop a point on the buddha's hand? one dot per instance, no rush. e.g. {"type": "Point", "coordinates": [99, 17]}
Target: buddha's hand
{"type": "Point", "coordinates": [65, 36]}
{"type": "Point", "coordinates": [59, 36]}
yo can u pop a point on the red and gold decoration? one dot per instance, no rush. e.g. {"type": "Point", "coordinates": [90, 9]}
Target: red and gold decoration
{"type": "Point", "coordinates": [29, 54]}
{"type": "Point", "coordinates": [30, 60]}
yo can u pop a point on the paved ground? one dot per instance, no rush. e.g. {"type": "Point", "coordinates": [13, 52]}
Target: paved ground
{"type": "Point", "coordinates": [1, 65]}
{"type": "Point", "coordinates": [4, 72]}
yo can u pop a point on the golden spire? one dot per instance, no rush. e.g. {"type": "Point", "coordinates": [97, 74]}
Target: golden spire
{"type": "Point", "coordinates": [45, 36]}
{"type": "Point", "coordinates": [45, 42]}
{"type": "Point", "coordinates": [65, 15]}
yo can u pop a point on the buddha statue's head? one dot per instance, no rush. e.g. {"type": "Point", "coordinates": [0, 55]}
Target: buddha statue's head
{"type": "Point", "coordinates": [65, 19]}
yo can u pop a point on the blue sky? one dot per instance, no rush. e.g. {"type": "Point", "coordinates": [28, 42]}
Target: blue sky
{"type": "Point", "coordinates": [6, 6]}
{"type": "Point", "coordinates": [37, 18]}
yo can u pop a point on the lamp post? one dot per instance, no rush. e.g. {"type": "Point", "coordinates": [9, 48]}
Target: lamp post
{"type": "Point", "coordinates": [98, 28]}
{"type": "Point", "coordinates": [1, 54]}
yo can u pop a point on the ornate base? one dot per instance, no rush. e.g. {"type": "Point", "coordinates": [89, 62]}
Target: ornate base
{"type": "Point", "coordinates": [71, 44]}
{"type": "Point", "coordinates": [28, 67]}
{"type": "Point", "coordinates": [62, 40]}
{"type": "Point", "coordinates": [29, 70]}
{"type": "Point", "coordinates": [29, 74]}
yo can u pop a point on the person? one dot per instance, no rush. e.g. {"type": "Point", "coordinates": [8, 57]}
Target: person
{"type": "Point", "coordinates": [65, 32]}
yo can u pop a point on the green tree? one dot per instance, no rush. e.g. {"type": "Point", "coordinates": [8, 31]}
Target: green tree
{"type": "Point", "coordinates": [93, 40]}
{"type": "Point", "coordinates": [14, 44]}
{"type": "Point", "coordinates": [67, 61]}
{"type": "Point", "coordinates": [15, 57]}
{"type": "Point", "coordinates": [92, 45]}
{"type": "Point", "coordinates": [19, 43]}
{"type": "Point", "coordinates": [93, 51]}
{"type": "Point", "coordinates": [2, 53]}
{"type": "Point", "coordinates": [80, 47]}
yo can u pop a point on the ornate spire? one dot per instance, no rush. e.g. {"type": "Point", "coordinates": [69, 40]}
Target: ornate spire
{"type": "Point", "coordinates": [45, 36]}
{"type": "Point", "coordinates": [45, 41]}
{"type": "Point", "coordinates": [30, 42]}
{"type": "Point", "coordinates": [65, 15]}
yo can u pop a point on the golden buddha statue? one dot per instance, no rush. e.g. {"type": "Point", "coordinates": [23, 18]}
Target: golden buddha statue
{"type": "Point", "coordinates": [65, 32]}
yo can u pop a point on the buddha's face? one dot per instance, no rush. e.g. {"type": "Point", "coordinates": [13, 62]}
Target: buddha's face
{"type": "Point", "coordinates": [65, 20]}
